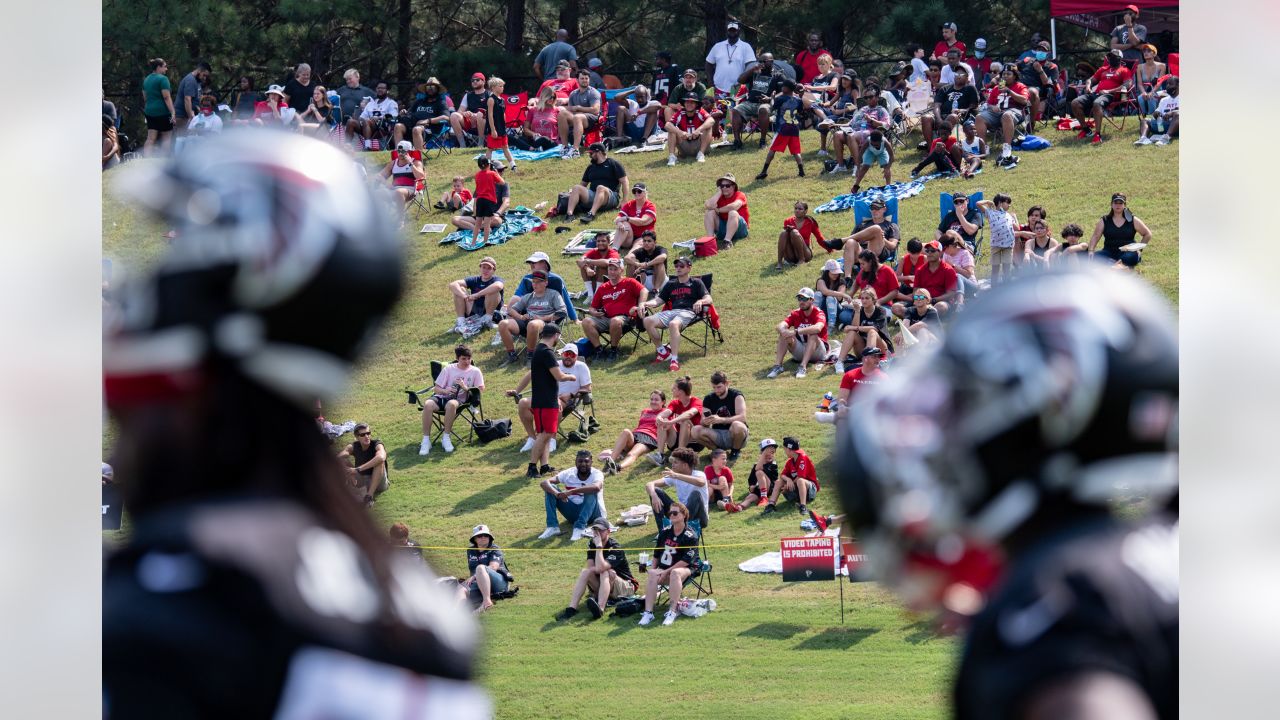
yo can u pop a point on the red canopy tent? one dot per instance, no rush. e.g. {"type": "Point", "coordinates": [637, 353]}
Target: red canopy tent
{"type": "Point", "coordinates": [1103, 15]}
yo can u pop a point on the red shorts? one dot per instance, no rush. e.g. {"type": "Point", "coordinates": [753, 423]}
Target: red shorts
{"type": "Point", "coordinates": [546, 420]}
{"type": "Point", "coordinates": [790, 143]}
{"type": "Point", "coordinates": [495, 143]}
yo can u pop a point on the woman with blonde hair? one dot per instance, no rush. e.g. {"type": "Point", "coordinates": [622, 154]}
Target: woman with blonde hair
{"type": "Point", "coordinates": [540, 125]}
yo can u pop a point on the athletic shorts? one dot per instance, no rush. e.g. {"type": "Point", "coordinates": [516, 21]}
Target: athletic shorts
{"type": "Point", "coordinates": [737, 235]}
{"type": "Point", "coordinates": [747, 110]}
{"type": "Point", "coordinates": [790, 143]}
{"type": "Point", "coordinates": [1088, 100]}
{"type": "Point", "coordinates": [724, 440]}
{"type": "Point", "coordinates": [160, 123]}
{"type": "Point", "coordinates": [602, 324]}
{"type": "Point", "coordinates": [546, 420]}
{"type": "Point", "coordinates": [589, 122]}
{"type": "Point", "coordinates": [992, 117]}
{"type": "Point", "coordinates": [1001, 256]}
{"type": "Point", "coordinates": [618, 588]}
{"type": "Point", "coordinates": [664, 318]}
{"type": "Point", "coordinates": [688, 148]}
{"type": "Point", "coordinates": [612, 204]}
{"type": "Point", "coordinates": [797, 350]}
{"type": "Point", "coordinates": [486, 208]}
{"type": "Point", "coordinates": [495, 143]}
{"type": "Point", "coordinates": [794, 496]}
{"type": "Point", "coordinates": [880, 157]}
{"type": "Point", "coordinates": [645, 439]}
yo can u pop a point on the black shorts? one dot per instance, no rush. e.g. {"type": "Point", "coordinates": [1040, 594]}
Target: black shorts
{"type": "Point", "coordinates": [645, 439]}
{"type": "Point", "coordinates": [1087, 100]}
{"type": "Point", "coordinates": [486, 208]}
{"type": "Point", "coordinates": [160, 123]}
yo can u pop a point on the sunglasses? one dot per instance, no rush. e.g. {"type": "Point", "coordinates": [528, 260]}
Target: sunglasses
{"type": "Point", "coordinates": [636, 192]}
{"type": "Point", "coordinates": [931, 250]}
{"type": "Point", "coordinates": [674, 513]}
{"type": "Point", "coordinates": [919, 297]}
{"type": "Point", "coordinates": [725, 185]}
{"type": "Point", "coordinates": [366, 433]}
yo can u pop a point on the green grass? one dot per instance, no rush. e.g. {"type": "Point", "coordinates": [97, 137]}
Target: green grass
{"type": "Point", "coordinates": [771, 649]}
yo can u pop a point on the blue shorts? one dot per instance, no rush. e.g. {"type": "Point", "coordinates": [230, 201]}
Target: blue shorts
{"type": "Point", "coordinates": [497, 584]}
{"type": "Point", "coordinates": [880, 157]}
{"type": "Point", "coordinates": [740, 234]}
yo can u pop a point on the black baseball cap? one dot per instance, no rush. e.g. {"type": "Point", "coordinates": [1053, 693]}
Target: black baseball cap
{"type": "Point", "coordinates": [664, 54]}
{"type": "Point", "coordinates": [549, 330]}
{"type": "Point", "coordinates": [790, 443]}
{"type": "Point", "coordinates": [868, 352]}
{"type": "Point", "coordinates": [877, 203]}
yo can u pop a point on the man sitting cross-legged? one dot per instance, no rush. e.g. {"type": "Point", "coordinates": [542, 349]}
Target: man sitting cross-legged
{"type": "Point", "coordinates": [452, 386]}
{"type": "Point", "coordinates": [579, 501]}
{"type": "Point", "coordinates": [617, 305]}
{"type": "Point", "coordinates": [607, 574]}
{"type": "Point", "coordinates": [647, 261]}
{"type": "Point", "coordinates": [691, 490]}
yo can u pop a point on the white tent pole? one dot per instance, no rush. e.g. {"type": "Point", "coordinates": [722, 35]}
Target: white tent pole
{"type": "Point", "coordinates": [1053, 37]}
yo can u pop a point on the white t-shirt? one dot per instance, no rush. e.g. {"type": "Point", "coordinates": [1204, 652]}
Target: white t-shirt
{"type": "Point", "coordinates": [205, 124]}
{"type": "Point", "coordinates": [581, 378]}
{"type": "Point", "coordinates": [451, 373]}
{"type": "Point", "coordinates": [387, 107]}
{"type": "Point", "coordinates": [730, 61]}
{"type": "Point", "coordinates": [919, 71]}
{"type": "Point", "coordinates": [1168, 104]}
{"type": "Point", "coordinates": [949, 75]}
{"type": "Point", "coordinates": [685, 490]}
{"type": "Point", "coordinates": [569, 478]}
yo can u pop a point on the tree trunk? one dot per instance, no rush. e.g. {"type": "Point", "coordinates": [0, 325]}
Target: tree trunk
{"type": "Point", "coordinates": [715, 14]}
{"type": "Point", "coordinates": [833, 39]}
{"type": "Point", "coordinates": [514, 44]}
{"type": "Point", "coordinates": [405, 20]}
{"type": "Point", "coordinates": [569, 19]}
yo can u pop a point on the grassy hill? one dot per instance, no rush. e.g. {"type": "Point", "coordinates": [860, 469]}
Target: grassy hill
{"type": "Point", "coordinates": [771, 649]}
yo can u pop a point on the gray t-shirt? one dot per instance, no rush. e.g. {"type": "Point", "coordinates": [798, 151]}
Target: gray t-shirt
{"type": "Point", "coordinates": [552, 54]}
{"type": "Point", "coordinates": [584, 97]}
{"type": "Point", "coordinates": [1121, 34]}
{"type": "Point", "coordinates": [349, 98]}
{"type": "Point", "coordinates": [189, 86]}
{"type": "Point", "coordinates": [549, 303]}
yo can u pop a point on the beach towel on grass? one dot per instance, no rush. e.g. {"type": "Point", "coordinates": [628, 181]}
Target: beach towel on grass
{"type": "Point", "coordinates": [528, 155]}
{"type": "Point", "coordinates": [520, 220]}
{"type": "Point", "coordinates": [899, 190]}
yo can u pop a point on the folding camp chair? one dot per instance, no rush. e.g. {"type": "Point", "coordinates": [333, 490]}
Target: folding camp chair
{"type": "Point", "coordinates": [707, 319]}
{"type": "Point", "coordinates": [919, 101]}
{"type": "Point", "coordinates": [583, 407]}
{"type": "Point", "coordinates": [700, 578]}
{"type": "Point", "coordinates": [1125, 105]}
{"type": "Point", "coordinates": [945, 206]}
{"type": "Point", "coordinates": [420, 194]}
{"type": "Point", "coordinates": [517, 111]}
{"type": "Point", "coordinates": [471, 411]}
{"type": "Point", "coordinates": [862, 211]}
{"type": "Point", "coordinates": [595, 133]}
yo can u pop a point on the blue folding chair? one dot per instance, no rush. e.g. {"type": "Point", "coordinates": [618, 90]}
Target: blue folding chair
{"type": "Point", "coordinates": [945, 205]}
{"type": "Point", "coordinates": [862, 211]}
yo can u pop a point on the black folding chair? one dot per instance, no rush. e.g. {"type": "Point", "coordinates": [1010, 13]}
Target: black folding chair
{"type": "Point", "coordinates": [583, 407]}
{"type": "Point", "coordinates": [689, 332]}
{"type": "Point", "coordinates": [471, 411]}
{"type": "Point", "coordinates": [700, 578]}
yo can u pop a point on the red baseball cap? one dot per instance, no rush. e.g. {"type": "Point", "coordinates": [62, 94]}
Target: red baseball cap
{"type": "Point", "coordinates": [1132, 8]}
{"type": "Point", "coordinates": [478, 75]}
{"type": "Point", "coordinates": [934, 244]}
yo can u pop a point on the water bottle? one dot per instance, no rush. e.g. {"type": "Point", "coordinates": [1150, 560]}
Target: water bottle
{"type": "Point", "coordinates": [826, 401]}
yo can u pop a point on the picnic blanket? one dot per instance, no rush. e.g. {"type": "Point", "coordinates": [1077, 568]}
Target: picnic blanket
{"type": "Point", "coordinates": [658, 141]}
{"type": "Point", "coordinates": [519, 220]}
{"type": "Point", "coordinates": [529, 155]}
{"type": "Point", "coordinates": [899, 190]}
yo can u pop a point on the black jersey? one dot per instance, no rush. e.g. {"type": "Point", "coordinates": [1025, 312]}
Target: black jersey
{"type": "Point", "coordinates": [672, 548]}
{"type": "Point", "coordinates": [1098, 597]}
{"type": "Point", "coordinates": [614, 555]}
{"type": "Point", "coordinates": [664, 79]}
{"type": "Point", "coordinates": [253, 609]}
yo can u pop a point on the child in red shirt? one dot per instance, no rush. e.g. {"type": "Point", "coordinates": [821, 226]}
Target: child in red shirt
{"type": "Point", "coordinates": [719, 479]}
{"type": "Point", "coordinates": [455, 197]}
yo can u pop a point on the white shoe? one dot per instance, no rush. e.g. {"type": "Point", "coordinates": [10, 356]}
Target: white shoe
{"type": "Point", "coordinates": [701, 157]}
{"type": "Point", "coordinates": [549, 533]}
{"type": "Point", "coordinates": [576, 536]}
{"type": "Point", "coordinates": [645, 618]}
{"type": "Point", "coordinates": [553, 445]}
{"type": "Point", "coordinates": [457, 325]}
{"type": "Point", "coordinates": [656, 458]}
{"type": "Point", "coordinates": [840, 366]}
{"type": "Point", "coordinates": [425, 447]}
{"type": "Point", "coordinates": [822, 153]}
{"type": "Point", "coordinates": [528, 445]}
{"type": "Point", "coordinates": [1142, 141]}
{"type": "Point", "coordinates": [669, 617]}
{"type": "Point", "coordinates": [1162, 140]}
{"type": "Point", "coordinates": [671, 161]}
{"type": "Point", "coordinates": [496, 341]}
{"type": "Point", "coordinates": [446, 443]}
{"type": "Point", "coordinates": [801, 372]}
{"type": "Point", "coordinates": [775, 372]}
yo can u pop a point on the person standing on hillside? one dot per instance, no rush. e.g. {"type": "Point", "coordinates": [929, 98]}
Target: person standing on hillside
{"type": "Point", "coordinates": [728, 59]}
{"type": "Point", "coordinates": [545, 375]}
{"type": "Point", "coordinates": [544, 66]}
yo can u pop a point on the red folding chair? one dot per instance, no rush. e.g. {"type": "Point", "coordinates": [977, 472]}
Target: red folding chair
{"type": "Point", "coordinates": [595, 133]}
{"type": "Point", "coordinates": [420, 195]}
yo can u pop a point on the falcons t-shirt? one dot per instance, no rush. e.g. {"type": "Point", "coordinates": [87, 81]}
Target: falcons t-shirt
{"type": "Point", "coordinates": [799, 319]}
{"type": "Point", "coordinates": [617, 299]}
{"type": "Point", "coordinates": [682, 295]}
{"type": "Point", "coordinates": [801, 466]}
{"type": "Point", "coordinates": [614, 555]}
{"type": "Point", "coordinates": [673, 548]}
{"type": "Point", "coordinates": [663, 80]}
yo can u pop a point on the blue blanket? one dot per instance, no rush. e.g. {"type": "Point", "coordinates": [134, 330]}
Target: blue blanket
{"type": "Point", "coordinates": [529, 155]}
{"type": "Point", "coordinates": [899, 190]}
{"type": "Point", "coordinates": [519, 221]}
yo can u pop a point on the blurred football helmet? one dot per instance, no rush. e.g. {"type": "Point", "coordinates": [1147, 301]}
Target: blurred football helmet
{"type": "Point", "coordinates": [284, 265]}
{"type": "Point", "coordinates": [1046, 393]}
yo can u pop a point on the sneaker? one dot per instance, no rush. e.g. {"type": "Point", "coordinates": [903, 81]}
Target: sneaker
{"type": "Point", "coordinates": [594, 608]}
{"type": "Point", "coordinates": [532, 472]}
{"type": "Point", "coordinates": [671, 161]}
{"type": "Point", "coordinates": [1002, 162]}
{"type": "Point", "coordinates": [657, 458]}
{"type": "Point", "coordinates": [775, 372]}
{"type": "Point", "coordinates": [588, 218]}
{"type": "Point", "coordinates": [799, 171]}
{"type": "Point", "coordinates": [663, 352]}
{"type": "Point", "coordinates": [496, 341]}
{"type": "Point", "coordinates": [674, 365]}
{"type": "Point", "coordinates": [763, 142]}
{"type": "Point", "coordinates": [922, 145]}
{"type": "Point", "coordinates": [1083, 134]}
{"type": "Point", "coordinates": [1011, 162]}
{"type": "Point", "coordinates": [576, 535]}
{"type": "Point", "coordinates": [646, 617]}
{"type": "Point", "coordinates": [611, 467]}
{"type": "Point", "coordinates": [1142, 141]}
{"type": "Point", "coordinates": [769, 509]}
{"type": "Point", "coordinates": [839, 367]}
{"type": "Point", "coordinates": [513, 356]}
{"type": "Point", "coordinates": [732, 507]}
{"type": "Point", "coordinates": [1097, 139]}
{"type": "Point", "coordinates": [546, 470]}
{"type": "Point", "coordinates": [549, 533]}
{"type": "Point", "coordinates": [803, 509]}
{"type": "Point", "coordinates": [446, 443]}
{"type": "Point", "coordinates": [670, 615]}
{"type": "Point", "coordinates": [701, 157]}
{"type": "Point", "coordinates": [763, 175]}
{"type": "Point", "coordinates": [593, 425]}
{"type": "Point", "coordinates": [612, 354]}
{"type": "Point", "coordinates": [801, 372]}
{"type": "Point", "coordinates": [566, 613]}
{"type": "Point", "coordinates": [819, 521]}
{"type": "Point", "coordinates": [1162, 140]}
{"type": "Point", "coordinates": [822, 153]}
{"type": "Point", "coordinates": [425, 447]}
{"type": "Point", "coordinates": [458, 325]}
{"type": "Point", "coordinates": [734, 453]}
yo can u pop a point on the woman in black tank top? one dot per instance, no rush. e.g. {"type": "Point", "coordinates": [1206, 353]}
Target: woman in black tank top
{"type": "Point", "coordinates": [1117, 229]}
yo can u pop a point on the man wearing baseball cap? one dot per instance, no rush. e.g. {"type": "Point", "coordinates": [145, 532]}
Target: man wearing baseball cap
{"type": "Point", "coordinates": [477, 295]}
{"type": "Point", "coordinates": [687, 86]}
{"type": "Point", "coordinates": [1100, 90]}
{"type": "Point", "coordinates": [616, 307]}
{"type": "Point", "coordinates": [528, 314]}
{"type": "Point", "coordinates": [541, 261]}
{"type": "Point", "coordinates": [607, 574]}
{"type": "Point", "coordinates": [980, 63]}
{"type": "Point", "coordinates": [947, 42]}
{"type": "Point", "coordinates": [729, 58]}
{"type": "Point", "coordinates": [798, 481]}
{"type": "Point", "coordinates": [868, 373]}
{"type": "Point", "coordinates": [803, 333]}
{"type": "Point", "coordinates": [689, 130]}
{"type": "Point", "coordinates": [470, 112]}
{"type": "Point", "coordinates": [937, 277]}
{"type": "Point", "coordinates": [545, 375]}
{"type": "Point", "coordinates": [1129, 35]}
{"type": "Point", "coordinates": [761, 479]}
{"type": "Point", "coordinates": [1040, 74]}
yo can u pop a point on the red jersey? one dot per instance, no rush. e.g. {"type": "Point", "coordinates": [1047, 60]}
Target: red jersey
{"type": "Point", "coordinates": [598, 253]}
{"type": "Point", "coordinates": [940, 50]}
{"type": "Point", "coordinates": [562, 88]}
{"type": "Point", "coordinates": [736, 196]}
{"type": "Point", "coordinates": [629, 209]}
{"type": "Point", "coordinates": [799, 319]}
{"type": "Point", "coordinates": [808, 229]}
{"type": "Point", "coordinates": [938, 282]}
{"type": "Point", "coordinates": [486, 185]}
{"type": "Point", "coordinates": [725, 473]}
{"type": "Point", "coordinates": [1016, 88]}
{"type": "Point", "coordinates": [948, 142]}
{"type": "Point", "coordinates": [855, 377]}
{"type": "Point", "coordinates": [648, 422]}
{"type": "Point", "coordinates": [1108, 78]}
{"type": "Point", "coordinates": [910, 264]}
{"type": "Point", "coordinates": [886, 281]}
{"type": "Point", "coordinates": [618, 299]}
{"type": "Point", "coordinates": [464, 195]}
{"type": "Point", "coordinates": [688, 123]}
{"type": "Point", "coordinates": [676, 408]}
{"type": "Point", "coordinates": [801, 466]}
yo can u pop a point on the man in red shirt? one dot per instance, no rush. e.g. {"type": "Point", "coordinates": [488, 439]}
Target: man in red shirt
{"type": "Point", "coordinates": [563, 84]}
{"type": "Point", "coordinates": [634, 217]}
{"type": "Point", "coordinates": [938, 277]}
{"type": "Point", "coordinates": [798, 481]}
{"type": "Point", "coordinates": [803, 334]}
{"type": "Point", "coordinates": [617, 304]}
{"type": "Point", "coordinates": [689, 131]}
{"type": "Point", "coordinates": [947, 42]}
{"type": "Point", "coordinates": [807, 59]}
{"type": "Point", "coordinates": [1006, 105]}
{"type": "Point", "coordinates": [592, 263]}
{"type": "Point", "coordinates": [1106, 86]}
{"type": "Point", "coordinates": [868, 373]}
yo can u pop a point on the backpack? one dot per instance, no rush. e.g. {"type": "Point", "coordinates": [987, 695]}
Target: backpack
{"type": "Point", "coordinates": [490, 430]}
{"type": "Point", "coordinates": [1032, 142]}
{"type": "Point", "coordinates": [562, 204]}
{"type": "Point", "coordinates": [628, 606]}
